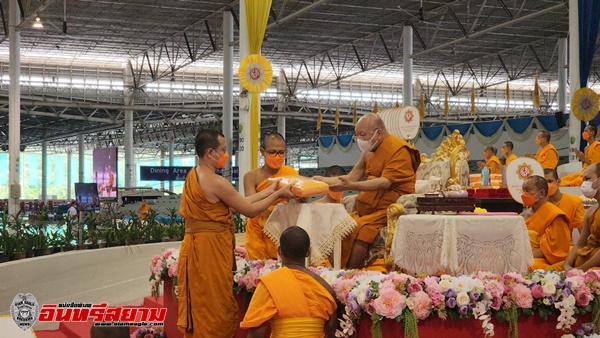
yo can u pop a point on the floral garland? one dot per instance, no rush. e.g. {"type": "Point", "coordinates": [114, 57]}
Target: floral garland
{"type": "Point", "coordinates": [148, 332]}
{"type": "Point", "coordinates": [411, 299]}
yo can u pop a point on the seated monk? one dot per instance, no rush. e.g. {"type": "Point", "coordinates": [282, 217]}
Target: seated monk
{"type": "Point", "coordinates": [571, 205]}
{"type": "Point", "coordinates": [547, 154]}
{"type": "Point", "coordinates": [258, 244]}
{"type": "Point", "coordinates": [591, 155]}
{"type": "Point", "coordinates": [585, 254]}
{"type": "Point", "coordinates": [333, 196]}
{"type": "Point", "coordinates": [293, 300]}
{"type": "Point", "coordinates": [206, 305]}
{"type": "Point", "coordinates": [491, 160]}
{"type": "Point", "coordinates": [143, 210]}
{"type": "Point", "coordinates": [507, 150]}
{"type": "Point", "coordinates": [390, 165]}
{"type": "Point", "coordinates": [548, 226]}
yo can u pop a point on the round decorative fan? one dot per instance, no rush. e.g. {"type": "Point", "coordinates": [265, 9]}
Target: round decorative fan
{"type": "Point", "coordinates": [255, 73]}
{"type": "Point", "coordinates": [585, 104]}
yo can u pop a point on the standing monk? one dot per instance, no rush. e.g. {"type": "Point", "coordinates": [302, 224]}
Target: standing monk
{"type": "Point", "coordinates": [571, 205]}
{"type": "Point", "coordinates": [389, 165]}
{"type": "Point", "coordinates": [548, 226]}
{"type": "Point", "coordinates": [491, 160]}
{"type": "Point", "coordinates": [293, 299]}
{"type": "Point", "coordinates": [591, 155]}
{"type": "Point", "coordinates": [272, 148]}
{"type": "Point", "coordinates": [206, 304]}
{"type": "Point", "coordinates": [585, 253]}
{"type": "Point", "coordinates": [547, 154]}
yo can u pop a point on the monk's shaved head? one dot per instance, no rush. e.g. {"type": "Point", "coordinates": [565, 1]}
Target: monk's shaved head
{"type": "Point", "coordinates": [294, 244]}
{"type": "Point", "coordinates": [272, 136]}
{"type": "Point", "coordinates": [371, 121]}
{"type": "Point", "coordinates": [335, 170]}
{"type": "Point", "coordinates": [539, 183]}
{"type": "Point", "coordinates": [591, 170]}
{"type": "Point", "coordinates": [207, 139]}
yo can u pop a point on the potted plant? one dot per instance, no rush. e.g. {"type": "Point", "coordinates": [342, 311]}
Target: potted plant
{"type": "Point", "coordinates": [5, 239]}
{"type": "Point", "coordinates": [92, 239]}
{"type": "Point", "coordinates": [68, 236]}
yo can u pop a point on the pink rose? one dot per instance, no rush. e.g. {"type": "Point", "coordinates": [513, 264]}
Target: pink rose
{"type": "Point", "coordinates": [387, 285]}
{"type": "Point", "coordinates": [522, 296]}
{"type": "Point", "coordinates": [422, 305]}
{"type": "Point", "coordinates": [390, 303]}
{"type": "Point", "coordinates": [414, 287]}
{"type": "Point", "coordinates": [173, 270]}
{"type": "Point", "coordinates": [537, 291]}
{"type": "Point", "coordinates": [494, 287]}
{"type": "Point", "coordinates": [582, 298]}
{"type": "Point", "coordinates": [496, 303]}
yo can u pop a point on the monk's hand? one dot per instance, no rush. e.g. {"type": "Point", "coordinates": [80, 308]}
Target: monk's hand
{"type": "Point", "coordinates": [567, 267]}
{"type": "Point", "coordinates": [580, 155]}
{"type": "Point", "coordinates": [342, 185]}
{"type": "Point", "coordinates": [286, 192]}
{"type": "Point", "coordinates": [318, 178]}
{"type": "Point", "coordinates": [272, 187]}
{"type": "Point", "coordinates": [530, 155]}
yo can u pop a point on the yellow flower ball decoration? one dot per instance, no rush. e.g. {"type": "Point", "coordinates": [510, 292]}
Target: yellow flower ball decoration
{"type": "Point", "coordinates": [255, 73]}
{"type": "Point", "coordinates": [585, 104]}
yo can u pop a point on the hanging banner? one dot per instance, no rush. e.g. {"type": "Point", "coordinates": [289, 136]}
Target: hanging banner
{"type": "Point", "coordinates": [160, 173]}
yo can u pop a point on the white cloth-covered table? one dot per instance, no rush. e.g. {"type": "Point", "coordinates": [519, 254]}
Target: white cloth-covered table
{"type": "Point", "coordinates": [461, 244]}
{"type": "Point", "coordinates": [326, 224]}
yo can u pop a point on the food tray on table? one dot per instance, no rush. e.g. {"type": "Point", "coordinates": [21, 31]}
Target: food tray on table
{"type": "Point", "coordinates": [455, 204]}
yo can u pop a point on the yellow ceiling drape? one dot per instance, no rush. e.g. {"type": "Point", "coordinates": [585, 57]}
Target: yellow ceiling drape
{"type": "Point", "coordinates": [536, 93]}
{"type": "Point", "coordinates": [473, 109]}
{"type": "Point", "coordinates": [354, 114]}
{"type": "Point", "coordinates": [507, 94]}
{"type": "Point", "coordinates": [375, 108]}
{"type": "Point", "coordinates": [319, 118]}
{"type": "Point", "coordinates": [422, 107]}
{"type": "Point", "coordinates": [257, 15]}
{"type": "Point", "coordinates": [336, 122]}
{"type": "Point", "coordinates": [446, 104]}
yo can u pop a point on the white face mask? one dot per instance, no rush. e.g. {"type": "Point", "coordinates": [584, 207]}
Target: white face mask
{"type": "Point", "coordinates": [364, 145]}
{"type": "Point", "coordinates": [587, 190]}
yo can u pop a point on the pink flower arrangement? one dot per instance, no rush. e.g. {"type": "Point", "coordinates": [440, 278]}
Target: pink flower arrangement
{"type": "Point", "coordinates": [247, 273]}
{"type": "Point", "coordinates": [163, 266]}
{"type": "Point", "coordinates": [390, 303]}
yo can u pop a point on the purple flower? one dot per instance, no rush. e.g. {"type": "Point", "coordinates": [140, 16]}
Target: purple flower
{"type": "Point", "coordinates": [368, 294]}
{"type": "Point", "coordinates": [451, 302]}
{"type": "Point", "coordinates": [587, 327]}
{"type": "Point", "coordinates": [566, 292]}
{"type": "Point", "coordinates": [353, 306]}
{"type": "Point", "coordinates": [569, 284]}
{"type": "Point", "coordinates": [552, 300]}
{"type": "Point", "coordinates": [579, 333]}
{"type": "Point", "coordinates": [449, 293]}
{"type": "Point", "coordinates": [463, 310]}
{"type": "Point", "coordinates": [560, 284]}
{"type": "Point", "coordinates": [474, 296]}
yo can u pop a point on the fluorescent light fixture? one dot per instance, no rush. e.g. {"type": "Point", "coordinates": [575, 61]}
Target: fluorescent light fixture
{"type": "Point", "coordinates": [38, 23]}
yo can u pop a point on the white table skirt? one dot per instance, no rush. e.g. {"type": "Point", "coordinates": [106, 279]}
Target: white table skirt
{"type": "Point", "coordinates": [326, 224]}
{"type": "Point", "coordinates": [458, 244]}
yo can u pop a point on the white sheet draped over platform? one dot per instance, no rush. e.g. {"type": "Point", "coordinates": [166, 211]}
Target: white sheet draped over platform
{"type": "Point", "coordinates": [324, 222]}
{"type": "Point", "coordinates": [457, 244]}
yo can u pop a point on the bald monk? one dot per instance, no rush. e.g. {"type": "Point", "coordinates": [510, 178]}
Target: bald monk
{"type": "Point", "coordinates": [507, 150]}
{"type": "Point", "coordinates": [293, 300]}
{"type": "Point", "coordinates": [491, 160]}
{"type": "Point", "coordinates": [547, 154]}
{"type": "Point", "coordinates": [333, 196]}
{"type": "Point", "coordinates": [389, 165]}
{"type": "Point", "coordinates": [548, 226]}
{"type": "Point", "coordinates": [571, 205]}
{"type": "Point", "coordinates": [206, 304]}
{"type": "Point", "coordinates": [258, 244]}
{"type": "Point", "coordinates": [585, 253]}
{"type": "Point", "coordinates": [591, 155]}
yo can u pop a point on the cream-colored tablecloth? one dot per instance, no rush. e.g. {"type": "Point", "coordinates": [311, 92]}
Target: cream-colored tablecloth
{"type": "Point", "coordinates": [324, 222]}
{"type": "Point", "coordinates": [457, 244]}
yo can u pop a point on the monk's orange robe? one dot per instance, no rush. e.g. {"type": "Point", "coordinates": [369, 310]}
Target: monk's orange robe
{"type": "Point", "coordinates": [592, 244]}
{"type": "Point", "coordinates": [207, 307]}
{"type": "Point", "coordinates": [143, 211]}
{"type": "Point", "coordinates": [572, 206]}
{"type": "Point", "coordinates": [592, 153]}
{"type": "Point", "coordinates": [511, 158]}
{"type": "Point", "coordinates": [548, 229]}
{"type": "Point", "coordinates": [494, 164]}
{"type": "Point", "coordinates": [258, 244]}
{"type": "Point", "coordinates": [396, 160]}
{"type": "Point", "coordinates": [295, 303]}
{"type": "Point", "coordinates": [547, 156]}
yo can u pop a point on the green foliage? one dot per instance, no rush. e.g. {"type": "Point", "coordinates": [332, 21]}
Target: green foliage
{"type": "Point", "coordinates": [240, 223]}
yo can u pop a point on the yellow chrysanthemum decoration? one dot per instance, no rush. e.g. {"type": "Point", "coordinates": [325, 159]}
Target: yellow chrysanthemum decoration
{"type": "Point", "coordinates": [255, 73]}
{"type": "Point", "coordinates": [585, 104]}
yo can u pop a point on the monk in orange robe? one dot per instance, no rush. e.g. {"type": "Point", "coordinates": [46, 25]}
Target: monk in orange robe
{"type": "Point", "coordinates": [491, 160]}
{"type": "Point", "coordinates": [293, 300]}
{"type": "Point", "coordinates": [390, 165]}
{"type": "Point", "coordinates": [507, 150]}
{"type": "Point", "coordinates": [258, 244]}
{"type": "Point", "coordinates": [206, 306]}
{"type": "Point", "coordinates": [591, 155]}
{"type": "Point", "coordinates": [143, 210]}
{"type": "Point", "coordinates": [571, 205]}
{"type": "Point", "coordinates": [585, 253]}
{"type": "Point", "coordinates": [547, 154]}
{"type": "Point", "coordinates": [548, 226]}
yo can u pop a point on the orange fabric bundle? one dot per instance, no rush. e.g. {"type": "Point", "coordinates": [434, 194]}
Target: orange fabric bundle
{"type": "Point", "coordinates": [303, 186]}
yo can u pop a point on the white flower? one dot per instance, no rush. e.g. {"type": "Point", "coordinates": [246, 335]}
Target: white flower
{"type": "Point", "coordinates": [462, 298]}
{"type": "Point", "coordinates": [549, 289]}
{"type": "Point", "coordinates": [463, 283]}
{"type": "Point", "coordinates": [478, 285]}
{"type": "Point", "coordinates": [445, 285]}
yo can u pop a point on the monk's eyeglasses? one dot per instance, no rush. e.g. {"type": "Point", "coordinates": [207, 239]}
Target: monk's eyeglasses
{"type": "Point", "coordinates": [357, 136]}
{"type": "Point", "coordinates": [275, 152]}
